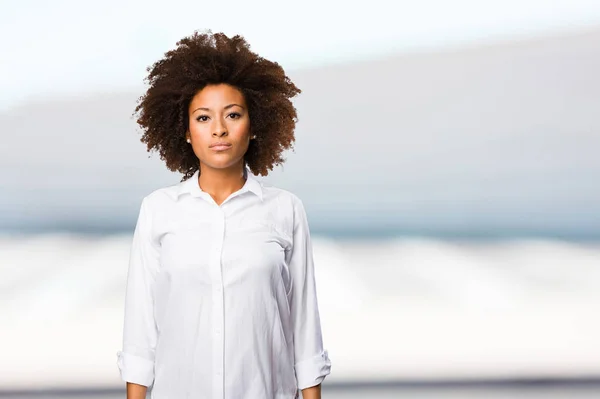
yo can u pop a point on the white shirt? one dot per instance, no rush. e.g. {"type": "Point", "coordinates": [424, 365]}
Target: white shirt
{"type": "Point", "coordinates": [221, 299]}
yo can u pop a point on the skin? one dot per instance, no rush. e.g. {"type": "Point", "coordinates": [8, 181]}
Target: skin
{"type": "Point", "coordinates": [219, 113]}
{"type": "Point", "coordinates": [136, 391]}
{"type": "Point", "coordinates": [312, 392]}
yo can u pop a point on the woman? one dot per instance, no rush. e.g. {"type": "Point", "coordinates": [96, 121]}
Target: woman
{"type": "Point", "coordinates": [221, 297]}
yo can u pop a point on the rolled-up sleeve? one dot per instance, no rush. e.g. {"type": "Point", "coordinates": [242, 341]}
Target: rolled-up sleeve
{"type": "Point", "coordinates": [136, 359]}
{"type": "Point", "coordinates": [312, 361]}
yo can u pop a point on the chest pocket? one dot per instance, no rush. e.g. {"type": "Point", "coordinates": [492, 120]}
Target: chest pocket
{"type": "Point", "coordinates": [254, 250]}
{"type": "Point", "coordinates": [258, 230]}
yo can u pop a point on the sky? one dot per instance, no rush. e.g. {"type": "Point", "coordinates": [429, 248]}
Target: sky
{"type": "Point", "coordinates": [68, 47]}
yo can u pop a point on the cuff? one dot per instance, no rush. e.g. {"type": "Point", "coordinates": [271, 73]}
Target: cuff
{"type": "Point", "coordinates": [312, 371]}
{"type": "Point", "coordinates": [135, 369]}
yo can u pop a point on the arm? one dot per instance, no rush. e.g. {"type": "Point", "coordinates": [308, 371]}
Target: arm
{"type": "Point", "coordinates": [136, 391]}
{"type": "Point", "coordinates": [136, 360]}
{"type": "Point", "coordinates": [312, 362]}
{"type": "Point", "coordinates": [312, 392]}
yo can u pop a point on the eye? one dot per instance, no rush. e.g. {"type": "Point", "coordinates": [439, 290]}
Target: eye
{"type": "Point", "coordinates": [235, 113]}
{"type": "Point", "coordinates": [201, 120]}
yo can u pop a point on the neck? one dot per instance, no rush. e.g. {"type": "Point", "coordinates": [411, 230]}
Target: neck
{"type": "Point", "coordinates": [221, 182]}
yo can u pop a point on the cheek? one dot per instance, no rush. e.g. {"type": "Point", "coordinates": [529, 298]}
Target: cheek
{"type": "Point", "coordinates": [240, 129]}
{"type": "Point", "coordinates": [197, 130]}
{"type": "Point", "coordinates": [241, 135]}
{"type": "Point", "coordinates": [200, 136]}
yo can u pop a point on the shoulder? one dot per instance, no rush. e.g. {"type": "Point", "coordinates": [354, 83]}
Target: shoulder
{"type": "Point", "coordinates": [287, 209]}
{"type": "Point", "coordinates": [290, 205]}
{"type": "Point", "coordinates": [282, 195]}
{"type": "Point", "coordinates": [161, 196]}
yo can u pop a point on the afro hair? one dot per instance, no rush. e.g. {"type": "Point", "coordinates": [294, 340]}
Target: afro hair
{"type": "Point", "coordinates": [206, 58]}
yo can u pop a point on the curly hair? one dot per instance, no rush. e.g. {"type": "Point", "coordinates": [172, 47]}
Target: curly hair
{"type": "Point", "coordinates": [206, 58]}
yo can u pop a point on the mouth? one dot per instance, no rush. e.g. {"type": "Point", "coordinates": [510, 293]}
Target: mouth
{"type": "Point", "coordinates": [221, 147]}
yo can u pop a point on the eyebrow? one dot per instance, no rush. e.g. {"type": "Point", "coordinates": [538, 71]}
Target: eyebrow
{"type": "Point", "coordinates": [226, 107]}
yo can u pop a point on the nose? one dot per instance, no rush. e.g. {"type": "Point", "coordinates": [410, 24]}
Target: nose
{"type": "Point", "coordinates": [219, 129]}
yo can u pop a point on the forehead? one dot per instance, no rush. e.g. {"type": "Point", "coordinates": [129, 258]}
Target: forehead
{"type": "Point", "coordinates": [218, 93]}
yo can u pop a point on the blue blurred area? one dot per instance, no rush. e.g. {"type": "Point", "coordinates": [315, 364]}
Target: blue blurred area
{"type": "Point", "coordinates": [487, 141]}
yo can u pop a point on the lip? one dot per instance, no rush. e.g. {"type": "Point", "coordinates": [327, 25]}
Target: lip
{"type": "Point", "coordinates": [220, 146]}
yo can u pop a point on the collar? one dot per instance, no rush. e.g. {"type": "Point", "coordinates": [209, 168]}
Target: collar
{"type": "Point", "coordinates": [191, 186]}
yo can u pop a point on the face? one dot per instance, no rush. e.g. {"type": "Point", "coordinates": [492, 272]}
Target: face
{"type": "Point", "coordinates": [219, 114]}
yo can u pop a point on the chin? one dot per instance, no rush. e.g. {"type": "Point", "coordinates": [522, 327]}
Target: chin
{"type": "Point", "coordinates": [223, 162]}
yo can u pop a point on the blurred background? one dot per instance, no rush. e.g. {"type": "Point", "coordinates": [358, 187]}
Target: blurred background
{"type": "Point", "coordinates": [446, 153]}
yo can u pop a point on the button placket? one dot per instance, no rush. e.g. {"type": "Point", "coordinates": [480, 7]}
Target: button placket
{"type": "Point", "coordinates": [218, 301]}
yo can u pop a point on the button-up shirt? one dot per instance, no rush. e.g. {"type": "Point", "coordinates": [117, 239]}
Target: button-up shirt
{"type": "Point", "coordinates": [221, 300]}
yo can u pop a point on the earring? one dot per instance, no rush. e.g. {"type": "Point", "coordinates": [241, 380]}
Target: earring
{"type": "Point", "coordinates": [188, 140]}
{"type": "Point", "coordinates": [253, 137]}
